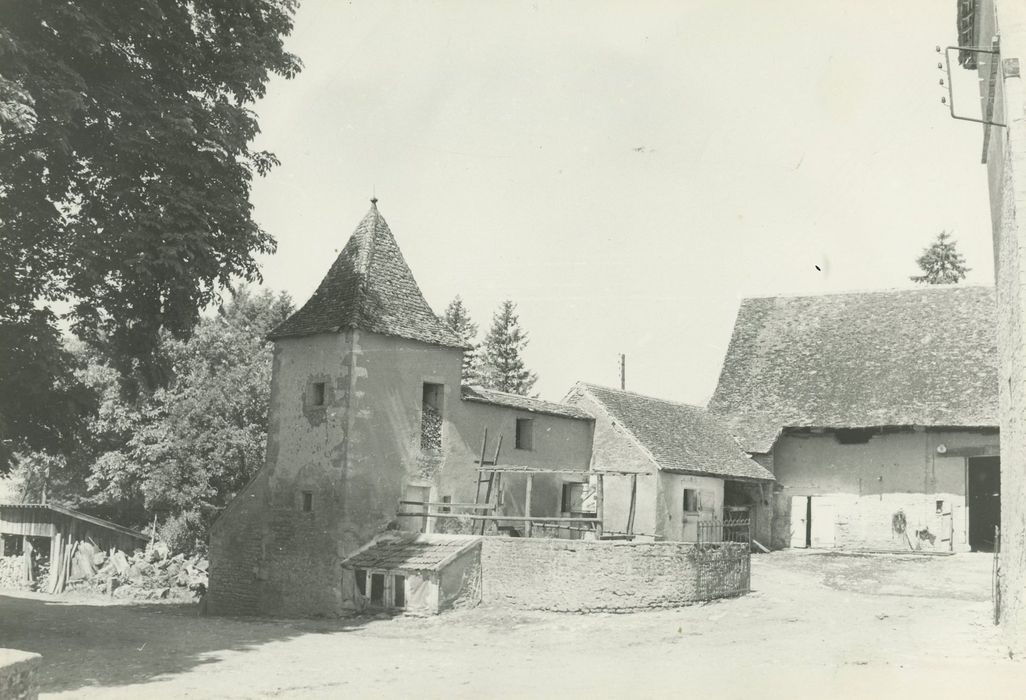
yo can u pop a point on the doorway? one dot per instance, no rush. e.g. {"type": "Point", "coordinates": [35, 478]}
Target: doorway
{"type": "Point", "coordinates": [801, 521]}
{"type": "Point", "coordinates": [983, 497]}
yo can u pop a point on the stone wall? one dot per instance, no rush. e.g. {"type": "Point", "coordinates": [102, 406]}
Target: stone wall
{"type": "Point", "coordinates": [19, 674]}
{"type": "Point", "coordinates": [586, 576]}
{"type": "Point", "coordinates": [1006, 173]}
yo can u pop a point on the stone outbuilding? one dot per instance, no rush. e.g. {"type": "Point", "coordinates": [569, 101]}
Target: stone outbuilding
{"type": "Point", "coordinates": [687, 467]}
{"type": "Point", "coordinates": [876, 413]}
{"type": "Point", "coordinates": [415, 573]}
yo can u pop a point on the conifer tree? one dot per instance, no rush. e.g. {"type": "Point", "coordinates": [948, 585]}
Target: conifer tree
{"type": "Point", "coordinates": [941, 263]}
{"type": "Point", "coordinates": [503, 366]}
{"type": "Point", "coordinates": [458, 319]}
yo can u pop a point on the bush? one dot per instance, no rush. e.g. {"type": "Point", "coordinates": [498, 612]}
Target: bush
{"type": "Point", "coordinates": [185, 533]}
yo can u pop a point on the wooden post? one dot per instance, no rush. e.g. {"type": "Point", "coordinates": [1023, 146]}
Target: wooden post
{"type": "Point", "coordinates": [26, 549]}
{"type": "Point", "coordinates": [599, 506]}
{"type": "Point", "coordinates": [634, 501]}
{"type": "Point", "coordinates": [527, 503]}
{"type": "Point", "coordinates": [3, 546]}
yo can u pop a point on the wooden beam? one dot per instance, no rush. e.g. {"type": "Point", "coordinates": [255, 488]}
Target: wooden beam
{"type": "Point", "coordinates": [527, 502]}
{"type": "Point", "coordinates": [521, 469]}
{"type": "Point", "coordinates": [484, 445]}
{"type": "Point", "coordinates": [445, 504]}
{"type": "Point", "coordinates": [515, 518]}
{"type": "Point", "coordinates": [599, 504]}
{"type": "Point", "coordinates": [634, 501]}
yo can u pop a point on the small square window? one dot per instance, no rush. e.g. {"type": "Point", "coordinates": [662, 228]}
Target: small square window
{"type": "Point", "coordinates": [307, 501]}
{"type": "Point", "coordinates": [691, 504]}
{"type": "Point", "coordinates": [317, 394]}
{"type": "Point", "coordinates": [525, 434]}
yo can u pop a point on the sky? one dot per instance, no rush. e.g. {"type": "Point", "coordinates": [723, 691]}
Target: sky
{"type": "Point", "coordinates": [625, 172]}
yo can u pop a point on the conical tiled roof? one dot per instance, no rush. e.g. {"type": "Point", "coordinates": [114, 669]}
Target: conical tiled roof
{"type": "Point", "coordinates": [369, 287]}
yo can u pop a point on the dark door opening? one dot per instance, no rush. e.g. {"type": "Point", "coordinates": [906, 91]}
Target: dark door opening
{"type": "Point", "coordinates": [983, 497]}
{"type": "Point", "coordinates": [808, 522]}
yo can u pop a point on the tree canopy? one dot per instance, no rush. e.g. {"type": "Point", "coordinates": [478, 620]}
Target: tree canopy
{"type": "Point", "coordinates": [941, 262]}
{"type": "Point", "coordinates": [126, 163]}
{"type": "Point", "coordinates": [502, 366]}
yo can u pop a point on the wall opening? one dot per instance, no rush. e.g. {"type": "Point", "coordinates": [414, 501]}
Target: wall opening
{"type": "Point", "coordinates": [691, 502]}
{"type": "Point", "coordinates": [525, 434]}
{"type": "Point", "coordinates": [308, 501]}
{"type": "Point", "coordinates": [377, 589]}
{"type": "Point", "coordinates": [398, 591]}
{"type": "Point", "coordinates": [983, 498]}
{"type": "Point", "coordinates": [431, 416]}
{"type": "Point", "coordinates": [317, 394]}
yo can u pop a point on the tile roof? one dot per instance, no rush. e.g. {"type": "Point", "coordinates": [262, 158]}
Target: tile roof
{"type": "Point", "coordinates": [369, 287]}
{"type": "Point", "coordinates": [410, 551]}
{"type": "Point", "coordinates": [965, 23]}
{"type": "Point", "coordinates": [680, 438]}
{"type": "Point", "coordinates": [924, 356]}
{"type": "Point", "coordinates": [522, 403]}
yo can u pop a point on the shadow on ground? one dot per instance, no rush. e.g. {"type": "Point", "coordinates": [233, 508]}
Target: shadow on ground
{"type": "Point", "coordinates": [89, 645]}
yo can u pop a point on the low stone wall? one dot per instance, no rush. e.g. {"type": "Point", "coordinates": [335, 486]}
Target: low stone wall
{"type": "Point", "coordinates": [19, 674]}
{"type": "Point", "coordinates": [584, 576]}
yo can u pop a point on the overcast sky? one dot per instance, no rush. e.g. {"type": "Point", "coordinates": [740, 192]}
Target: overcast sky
{"type": "Point", "coordinates": [626, 172]}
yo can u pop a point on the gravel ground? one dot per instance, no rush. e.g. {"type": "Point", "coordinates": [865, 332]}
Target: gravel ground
{"type": "Point", "coordinates": [816, 625]}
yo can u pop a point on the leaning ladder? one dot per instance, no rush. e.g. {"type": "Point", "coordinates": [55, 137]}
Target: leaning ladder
{"type": "Point", "coordinates": [492, 479]}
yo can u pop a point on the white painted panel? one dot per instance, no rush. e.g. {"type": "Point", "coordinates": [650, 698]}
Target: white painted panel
{"type": "Point", "coordinates": [823, 519]}
{"type": "Point", "coordinates": [798, 504]}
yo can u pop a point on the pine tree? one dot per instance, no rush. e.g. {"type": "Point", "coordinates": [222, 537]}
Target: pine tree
{"type": "Point", "coordinates": [941, 263]}
{"type": "Point", "coordinates": [503, 367]}
{"type": "Point", "coordinates": [458, 319]}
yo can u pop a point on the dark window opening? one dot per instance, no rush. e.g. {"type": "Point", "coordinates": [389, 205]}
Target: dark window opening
{"type": "Point", "coordinates": [853, 436]}
{"type": "Point", "coordinates": [525, 434]}
{"type": "Point", "coordinates": [12, 546]}
{"type": "Point", "coordinates": [399, 591]}
{"type": "Point", "coordinates": [446, 499]}
{"type": "Point", "coordinates": [573, 498]}
{"type": "Point", "coordinates": [307, 501]}
{"type": "Point", "coordinates": [691, 504]}
{"type": "Point", "coordinates": [377, 589]}
{"type": "Point", "coordinates": [317, 394]}
{"type": "Point", "coordinates": [940, 507]}
{"type": "Point", "coordinates": [361, 581]}
{"type": "Point", "coordinates": [431, 416]}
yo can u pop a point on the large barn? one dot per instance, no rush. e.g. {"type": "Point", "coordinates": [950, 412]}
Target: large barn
{"type": "Point", "coordinates": [876, 412]}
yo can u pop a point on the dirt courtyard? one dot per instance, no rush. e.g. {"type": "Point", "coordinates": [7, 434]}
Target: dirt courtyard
{"type": "Point", "coordinates": [816, 625]}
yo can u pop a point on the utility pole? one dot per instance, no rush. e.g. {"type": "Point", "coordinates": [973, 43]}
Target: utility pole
{"type": "Point", "coordinates": [623, 372]}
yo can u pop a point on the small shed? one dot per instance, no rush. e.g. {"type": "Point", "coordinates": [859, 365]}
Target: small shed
{"type": "Point", "coordinates": [24, 525]}
{"type": "Point", "coordinates": [414, 572]}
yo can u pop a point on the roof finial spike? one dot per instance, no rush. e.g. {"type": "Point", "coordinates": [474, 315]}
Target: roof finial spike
{"type": "Point", "coordinates": [374, 196]}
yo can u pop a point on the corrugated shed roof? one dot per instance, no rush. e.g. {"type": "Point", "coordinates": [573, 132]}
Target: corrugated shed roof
{"type": "Point", "coordinates": [924, 356]}
{"type": "Point", "coordinates": [78, 516]}
{"type": "Point", "coordinates": [680, 437]}
{"type": "Point", "coordinates": [408, 551]}
{"type": "Point", "coordinates": [521, 403]}
{"type": "Point", "coordinates": [369, 287]}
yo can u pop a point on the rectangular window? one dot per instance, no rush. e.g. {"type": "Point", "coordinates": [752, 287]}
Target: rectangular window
{"type": "Point", "coordinates": [377, 589]}
{"type": "Point", "coordinates": [525, 434]}
{"type": "Point", "coordinates": [691, 503]}
{"type": "Point", "coordinates": [361, 581]}
{"type": "Point", "coordinates": [399, 591]}
{"type": "Point", "coordinates": [431, 416]}
{"type": "Point", "coordinates": [573, 498]}
{"type": "Point", "coordinates": [307, 501]}
{"type": "Point", "coordinates": [446, 499]}
{"type": "Point", "coordinates": [317, 394]}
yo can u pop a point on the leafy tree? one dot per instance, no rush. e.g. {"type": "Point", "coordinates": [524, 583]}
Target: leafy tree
{"type": "Point", "coordinates": [458, 319]}
{"type": "Point", "coordinates": [125, 173]}
{"type": "Point", "coordinates": [196, 442]}
{"type": "Point", "coordinates": [941, 263]}
{"type": "Point", "coordinates": [503, 366]}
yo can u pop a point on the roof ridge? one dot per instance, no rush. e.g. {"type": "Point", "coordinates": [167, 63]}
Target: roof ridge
{"type": "Point", "coordinates": [885, 290]}
{"type": "Point", "coordinates": [644, 396]}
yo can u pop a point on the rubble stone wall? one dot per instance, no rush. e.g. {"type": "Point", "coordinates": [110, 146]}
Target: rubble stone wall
{"type": "Point", "coordinates": [19, 674]}
{"type": "Point", "coordinates": [586, 576]}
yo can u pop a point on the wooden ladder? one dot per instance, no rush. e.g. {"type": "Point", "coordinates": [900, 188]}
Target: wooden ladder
{"type": "Point", "coordinates": [493, 479]}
